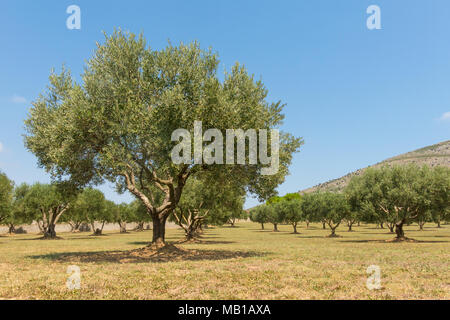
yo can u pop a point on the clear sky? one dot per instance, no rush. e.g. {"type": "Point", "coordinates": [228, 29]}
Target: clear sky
{"type": "Point", "coordinates": [356, 96]}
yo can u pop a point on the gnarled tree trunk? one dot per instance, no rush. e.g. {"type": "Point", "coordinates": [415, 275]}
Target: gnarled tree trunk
{"type": "Point", "coordinates": [49, 221]}
{"type": "Point", "coordinates": [399, 230]}
{"type": "Point", "coordinates": [140, 226]}
{"type": "Point", "coordinates": [159, 231]}
{"type": "Point", "coordinates": [123, 226]}
{"type": "Point", "coordinates": [191, 222]}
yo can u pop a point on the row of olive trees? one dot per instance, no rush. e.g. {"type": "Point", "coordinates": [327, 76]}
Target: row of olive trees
{"type": "Point", "coordinates": [50, 204]}
{"type": "Point", "coordinates": [204, 202]}
{"type": "Point", "coordinates": [394, 196]}
{"type": "Point", "coordinates": [327, 208]}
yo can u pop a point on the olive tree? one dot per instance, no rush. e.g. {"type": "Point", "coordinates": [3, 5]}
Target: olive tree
{"type": "Point", "coordinates": [18, 214]}
{"type": "Point", "coordinates": [139, 215]}
{"type": "Point", "coordinates": [289, 209]}
{"type": "Point", "coordinates": [208, 201]}
{"type": "Point", "coordinates": [440, 194]}
{"type": "Point", "coordinates": [332, 208]}
{"type": "Point", "coordinates": [45, 204]}
{"type": "Point", "coordinates": [118, 124]}
{"type": "Point", "coordinates": [122, 214]}
{"type": "Point", "coordinates": [274, 216]}
{"type": "Point", "coordinates": [6, 198]}
{"type": "Point", "coordinates": [259, 215]}
{"type": "Point", "coordinates": [90, 207]}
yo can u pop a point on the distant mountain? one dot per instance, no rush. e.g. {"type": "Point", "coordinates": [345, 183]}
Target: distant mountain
{"type": "Point", "coordinates": [435, 155]}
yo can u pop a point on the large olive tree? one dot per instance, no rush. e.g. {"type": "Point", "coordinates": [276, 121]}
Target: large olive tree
{"type": "Point", "coordinates": [117, 124]}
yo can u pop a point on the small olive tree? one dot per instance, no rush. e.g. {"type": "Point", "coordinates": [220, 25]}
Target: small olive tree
{"type": "Point", "coordinates": [289, 209]}
{"type": "Point", "coordinates": [90, 207]}
{"type": "Point", "coordinates": [259, 215]}
{"type": "Point", "coordinates": [332, 208]}
{"type": "Point", "coordinates": [46, 203]}
{"type": "Point", "coordinates": [6, 196]}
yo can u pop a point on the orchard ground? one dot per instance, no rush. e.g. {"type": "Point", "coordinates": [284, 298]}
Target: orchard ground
{"type": "Point", "coordinates": [243, 262]}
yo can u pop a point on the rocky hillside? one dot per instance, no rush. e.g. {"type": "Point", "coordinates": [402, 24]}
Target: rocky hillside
{"type": "Point", "coordinates": [435, 155]}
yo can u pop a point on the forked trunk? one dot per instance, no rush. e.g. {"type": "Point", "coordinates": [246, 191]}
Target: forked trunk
{"type": "Point", "coordinates": [11, 229]}
{"type": "Point", "coordinates": [295, 227]}
{"type": "Point", "coordinates": [275, 227]}
{"type": "Point", "coordinates": [350, 224]}
{"type": "Point", "coordinates": [324, 225]}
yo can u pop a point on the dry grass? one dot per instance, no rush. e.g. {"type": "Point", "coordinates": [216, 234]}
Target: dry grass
{"type": "Point", "coordinates": [230, 263]}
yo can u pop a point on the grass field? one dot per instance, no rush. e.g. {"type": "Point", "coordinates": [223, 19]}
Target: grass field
{"type": "Point", "coordinates": [231, 263]}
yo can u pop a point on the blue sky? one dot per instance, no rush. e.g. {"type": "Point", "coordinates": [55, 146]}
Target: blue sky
{"type": "Point", "coordinates": [356, 96]}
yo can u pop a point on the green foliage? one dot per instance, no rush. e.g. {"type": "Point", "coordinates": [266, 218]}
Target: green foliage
{"type": "Point", "coordinates": [289, 210]}
{"type": "Point", "coordinates": [18, 214]}
{"type": "Point", "coordinates": [328, 207]}
{"type": "Point", "coordinates": [139, 213]}
{"type": "Point", "coordinates": [402, 194]}
{"type": "Point", "coordinates": [259, 214]}
{"type": "Point", "coordinates": [205, 201]}
{"type": "Point", "coordinates": [440, 194]}
{"type": "Point", "coordinates": [45, 203]}
{"type": "Point", "coordinates": [6, 196]}
{"type": "Point", "coordinates": [90, 207]}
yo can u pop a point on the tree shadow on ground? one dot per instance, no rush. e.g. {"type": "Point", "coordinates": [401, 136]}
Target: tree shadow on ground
{"type": "Point", "coordinates": [194, 241]}
{"type": "Point", "coordinates": [437, 236]}
{"type": "Point", "coordinates": [380, 233]}
{"type": "Point", "coordinates": [169, 253]}
{"type": "Point", "coordinates": [390, 241]}
{"type": "Point", "coordinates": [300, 235]}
